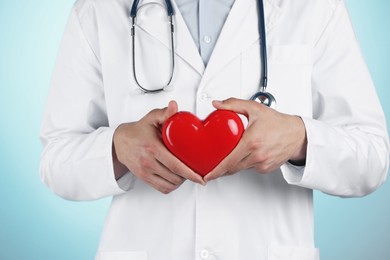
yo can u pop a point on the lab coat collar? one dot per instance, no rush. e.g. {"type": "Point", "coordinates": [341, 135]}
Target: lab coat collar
{"type": "Point", "coordinates": [185, 46]}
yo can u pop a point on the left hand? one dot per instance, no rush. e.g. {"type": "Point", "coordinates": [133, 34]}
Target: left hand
{"type": "Point", "coordinates": [270, 139]}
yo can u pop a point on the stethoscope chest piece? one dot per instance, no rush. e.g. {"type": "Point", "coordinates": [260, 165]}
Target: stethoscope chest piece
{"type": "Point", "coordinates": [265, 98]}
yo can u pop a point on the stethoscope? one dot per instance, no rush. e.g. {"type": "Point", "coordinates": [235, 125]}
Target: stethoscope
{"type": "Point", "coordinates": [262, 96]}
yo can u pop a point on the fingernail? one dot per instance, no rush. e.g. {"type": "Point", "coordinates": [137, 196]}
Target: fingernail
{"type": "Point", "coordinates": [217, 102]}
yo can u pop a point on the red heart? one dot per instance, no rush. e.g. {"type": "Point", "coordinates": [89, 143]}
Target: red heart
{"type": "Point", "coordinates": [202, 145]}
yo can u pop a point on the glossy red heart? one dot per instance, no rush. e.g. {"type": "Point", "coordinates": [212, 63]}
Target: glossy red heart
{"type": "Point", "coordinates": [202, 145]}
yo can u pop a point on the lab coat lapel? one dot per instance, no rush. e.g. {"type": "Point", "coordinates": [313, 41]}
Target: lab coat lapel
{"type": "Point", "coordinates": [239, 32]}
{"type": "Point", "coordinates": [185, 46]}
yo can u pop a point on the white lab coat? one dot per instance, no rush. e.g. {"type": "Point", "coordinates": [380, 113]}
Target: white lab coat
{"type": "Point", "coordinates": [316, 71]}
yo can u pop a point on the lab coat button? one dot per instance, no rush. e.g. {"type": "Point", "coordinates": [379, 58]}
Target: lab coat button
{"type": "Point", "coordinates": [207, 39]}
{"type": "Point", "coordinates": [204, 96]}
{"type": "Point", "coordinates": [204, 254]}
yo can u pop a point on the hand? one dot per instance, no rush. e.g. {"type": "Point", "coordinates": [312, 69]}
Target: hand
{"type": "Point", "coordinates": [138, 146]}
{"type": "Point", "coordinates": [270, 139]}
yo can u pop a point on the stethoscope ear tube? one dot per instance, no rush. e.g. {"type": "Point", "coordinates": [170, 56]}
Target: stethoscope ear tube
{"type": "Point", "coordinates": [134, 8]}
{"type": "Point", "coordinates": [169, 8]}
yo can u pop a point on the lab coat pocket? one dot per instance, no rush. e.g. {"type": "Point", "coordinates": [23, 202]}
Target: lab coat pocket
{"type": "Point", "coordinates": [122, 255]}
{"type": "Point", "coordinates": [289, 76]}
{"type": "Point", "coordinates": [293, 253]}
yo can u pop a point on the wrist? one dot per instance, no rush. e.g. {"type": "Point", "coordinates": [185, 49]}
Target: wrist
{"type": "Point", "coordinates": [119, 168]}
{"type": "Point", "coordinates": [299, 155]}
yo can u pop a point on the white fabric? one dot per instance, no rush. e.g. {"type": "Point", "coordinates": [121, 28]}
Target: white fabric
{"type": "Point", "coordinates": [316, 71]}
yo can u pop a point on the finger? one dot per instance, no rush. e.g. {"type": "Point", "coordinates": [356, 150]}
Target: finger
{"type": "Point", "coordinates": [168, 112]}
{"type": "Point", "coordinates": [165, 173]}
{"type": "Point", "coordinates": [160, 183]}
{"type": "Point", "coordinates": [239, 106]}
{"type": "Point", "coordinates": [159, 116]}
{"type": "Point", "coordinates": [244, 164]}
{"type": "Point", "coordinates": [178, 167]}
{"type": "Point", "coordinates": [150, 163]}
{"type": "Point", "coordinates": [229, 163]}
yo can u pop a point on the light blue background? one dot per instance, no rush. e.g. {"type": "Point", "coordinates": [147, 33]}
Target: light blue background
{"type": "Point", "coordinates": [35, 224]}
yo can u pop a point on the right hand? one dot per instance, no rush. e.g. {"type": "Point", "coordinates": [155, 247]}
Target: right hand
{"type": "Point", "coordinates": [139, 147]}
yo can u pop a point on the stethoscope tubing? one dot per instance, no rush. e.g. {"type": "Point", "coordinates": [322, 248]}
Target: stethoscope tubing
{"type": "Point", "coordinates": [262, 96]}
{"type": "Point", "coordinates": [263, 46]}
{"type": "Point", "coordinates": [134, 8]}
{"type": "Point", "coordinates": [133, 15]}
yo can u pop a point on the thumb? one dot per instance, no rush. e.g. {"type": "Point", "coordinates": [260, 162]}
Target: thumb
{"type": "Point", "coordinates": [236, 105]}
{"type": "Point", "coordinates": [170, 110]}
{"type": "Point", "coordinates": [162, 115]}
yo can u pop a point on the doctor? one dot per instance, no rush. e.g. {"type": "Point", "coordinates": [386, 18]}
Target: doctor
{"type": "Point", "coordinates": [101, 133]}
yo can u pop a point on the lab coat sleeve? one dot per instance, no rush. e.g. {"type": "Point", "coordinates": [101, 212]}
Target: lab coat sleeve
{"type": "Point", "coordinates": [348, 147]}
{"type": "Point", "coordinates": [77, 159]}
